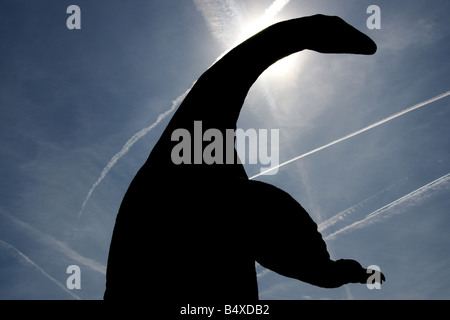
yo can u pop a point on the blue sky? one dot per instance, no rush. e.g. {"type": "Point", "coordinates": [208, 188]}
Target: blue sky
{"type": "Point", "coordinates": [70, 101]}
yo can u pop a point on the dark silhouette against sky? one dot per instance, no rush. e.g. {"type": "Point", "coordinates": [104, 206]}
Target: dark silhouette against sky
{"type": "Point", "coordinates": [193, 232]}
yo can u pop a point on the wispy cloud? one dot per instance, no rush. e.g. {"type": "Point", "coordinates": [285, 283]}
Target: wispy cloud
{"type": "Point", "coordinates": [223, 18]}
{"type": "Point", "coordinates": [227, 23]}
{"type": "Point", "coordinates": [264, 21]}
{"type": "Point", "coordinates": [388, 210]}
{"type": "Point", "coordinates": [8, 246]}
{"type": "Point", "coordinates": [371, 126]}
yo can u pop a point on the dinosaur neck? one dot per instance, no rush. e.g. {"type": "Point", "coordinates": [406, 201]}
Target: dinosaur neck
{"type": "Point", "coordinates": [250, 58]}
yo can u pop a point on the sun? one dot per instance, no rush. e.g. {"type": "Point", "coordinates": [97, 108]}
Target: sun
{"type": "Point", "coordinates": [283, 68]}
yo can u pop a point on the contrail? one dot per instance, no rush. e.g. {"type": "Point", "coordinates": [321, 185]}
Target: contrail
{"type": "Point", "coordinates": [60, 246]}
{"type": "Point", "coordinates": [373, 125]}
{"type": "Point", "coordinates": [341, 215]}
{"type": "Point", "coordinates": [129, 144]}
{"type": "Point", "coordinates": [387, 209]}
{"type": "Point", "coordinates": [265, 20]}
{"type": "Point", "coordinates": [274, 9]}
{"type": "Point", "coordinates": [270, 13]}
{"type": "Point", "coordinates": [347, 212]}
{"type": "Point", "coordinates": [27, 259]}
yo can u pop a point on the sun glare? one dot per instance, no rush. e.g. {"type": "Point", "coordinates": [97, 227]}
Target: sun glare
{"type": "Point", "coordinates": [283, 68]}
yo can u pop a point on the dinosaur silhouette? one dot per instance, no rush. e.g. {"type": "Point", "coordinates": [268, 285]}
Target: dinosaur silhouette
{"type": "Point", "coordinates": [192, 232]}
